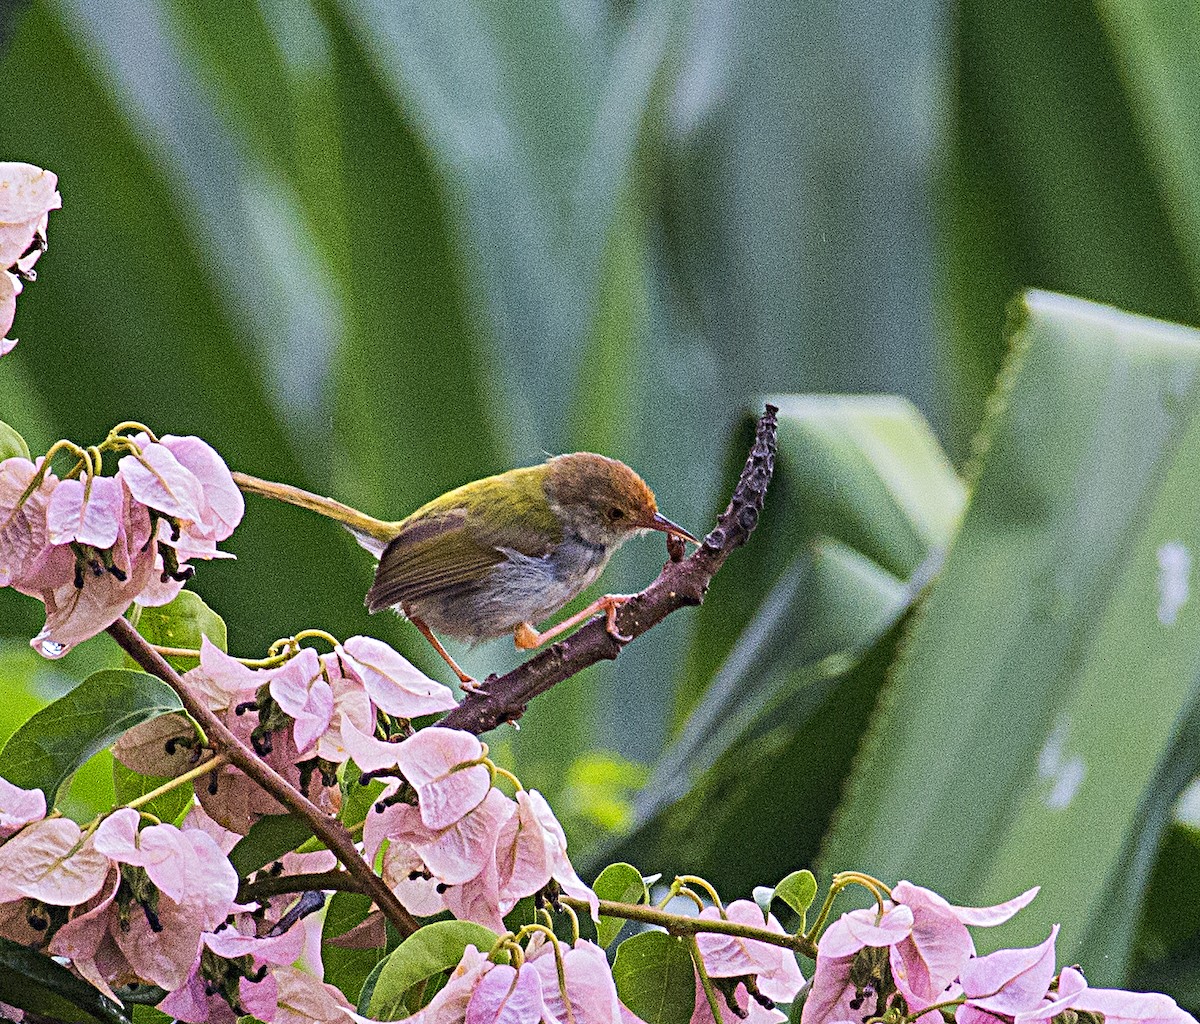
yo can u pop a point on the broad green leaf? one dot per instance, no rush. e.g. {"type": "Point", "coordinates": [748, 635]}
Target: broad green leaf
{"type": "Point", "coordinates": [655, 978]}
{"type": "Point", "coordinates": [621, 883]}
{"type": "Point", "coordinates": [1015, 743]}
{"type": "Point", "coordinates": [798, 891]}
{"type": "Point", "coordinates": [269, 839]}
{"type": "Point", "coordinates": [1068, 167]}
{"type": "Point", "coordinates": [434, 948]}
{"type": "Point", "coordinates": [12, 444]}
{"type": "Point", "coordinates": [182, 623]}
{"type": "Point", "coordinates": [33, 982]}
{"type": "Point", "coordinates": [64, 734]}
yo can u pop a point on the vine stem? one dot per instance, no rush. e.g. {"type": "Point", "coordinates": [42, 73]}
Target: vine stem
{"type": "Point", "coordinates": [328, 829]}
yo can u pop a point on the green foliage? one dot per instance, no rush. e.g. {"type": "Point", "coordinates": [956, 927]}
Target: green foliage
{"type": "Point", "coordinates": [436, 948]}
{"type": "Point", "coordinates": [798, 891]}
{"type": "Point", "coordinates": [33, 982]}
{"type": "Point", "coordinates": [12, 444]}
{"type": "Point", "coordinates": [655, 978]}
{"type": "Point", "coordinates": [182, 623]}
{"type": "Point", "coordinates": [1002, 739]}
{"type": "Point", "coordinates": [269, 838]}
{"type": "Point", "coordinates": [622, 883]}
{"type": "Point", "coordinates": [63, 735]}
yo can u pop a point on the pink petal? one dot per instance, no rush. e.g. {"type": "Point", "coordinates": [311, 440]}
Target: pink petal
{"type": "Point", "coordinates": [524, 853]}
{"type": "Point", "coordinates": [369, 753]}
{"type": "Point", "coordinates": [74, 615]}
{"type": "Point", "coordinates": [41, 862]}
{"type": "Point", "coordinates": [351, 705]}
{"type": "Point", "coordinates": [1070, 984]}
{"type": "Point", "coordinates": [158, 480]}
{"type": "Point", "coordinates": [467, 847]}
{"type": "Point", "coordinates": [928, 960]}
{"type": "Point", "coordinates": [988, 916]}
{"type": "Point", "coordinates": [1121, 1007]}
{"type": "Point", "coordinates": [392, 682]}
{"type": "Point", "coordinates": [10, 288]}
{"type": "Point", "coordinates": [561, 870]}
{"type": "Point", "coordinates": [859, 928]}
{"type": "Point", "coordinates": [302, 692]}
{"type": "Point", "coordinates": [437, 764]}
{"type": "Point", "coordinates": [506, 996]}
{"type": "Point", "coordinates": [93, 518]}
{"type": "Point", "coordinates": [19, 807]}
{"type": "Point", "coordinates": [224, 504]}
{"type": "Point", "coordinates": [24, 545]}
{"type": "Point", "coordinates": [591, 991]}
{"type": "Point", "coordinates": [27, 194]}
{"type": "Point", "coordinates": [6, 344]}
{"type": "Point", "coordinates": [753, 1012]}
{"type": "Point", "coordinates": [304, 999]}
{"type": "Point", "coordinates": [406, 875]}
{"type": "Point", "coordinates": [1010, 981]}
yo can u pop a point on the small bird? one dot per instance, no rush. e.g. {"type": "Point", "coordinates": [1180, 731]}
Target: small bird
{"type": "Point", "coordinates": [501, 554]}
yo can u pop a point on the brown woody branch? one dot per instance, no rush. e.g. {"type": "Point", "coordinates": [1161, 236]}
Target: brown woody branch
{"type": "Point", "coordinates": [328, 829]}
{"type": "Point", "coordinates": [682, 583]}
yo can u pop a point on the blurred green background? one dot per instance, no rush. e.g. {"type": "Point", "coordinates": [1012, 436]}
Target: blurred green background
{"type": "Point", "coordinates": [378, 248]}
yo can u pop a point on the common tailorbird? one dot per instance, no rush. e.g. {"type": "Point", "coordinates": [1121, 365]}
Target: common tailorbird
{"type": "Point", "coordinates": [501, 554]}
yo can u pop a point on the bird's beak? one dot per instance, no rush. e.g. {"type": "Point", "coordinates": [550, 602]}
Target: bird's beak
{"type": "Point", "coordinates": [661, 522]}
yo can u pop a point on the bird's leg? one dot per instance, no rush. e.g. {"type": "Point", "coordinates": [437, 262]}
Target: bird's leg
{"type": "Point", "coordinates": [468, 684]}
{"type": "Point", "coordinates": [526, 637]}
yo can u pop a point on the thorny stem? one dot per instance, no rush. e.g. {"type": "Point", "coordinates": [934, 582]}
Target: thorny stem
{"type": "Point", "coordinates": [705, 981]}
{"type": "Point", "coordinates": [180, 780]}
{"type": "Point", "coordinates": [326, 828]}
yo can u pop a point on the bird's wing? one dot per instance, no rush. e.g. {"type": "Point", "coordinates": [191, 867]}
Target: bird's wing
{"type": "Point", "coordinates": [439, 554]}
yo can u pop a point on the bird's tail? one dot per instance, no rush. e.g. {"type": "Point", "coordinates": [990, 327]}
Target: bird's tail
{"type": "Point", "coordinates": [373, 534]}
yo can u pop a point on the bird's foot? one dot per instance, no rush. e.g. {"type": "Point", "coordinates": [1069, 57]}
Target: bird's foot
{"type": "Point", "coordinates": [610, 603]}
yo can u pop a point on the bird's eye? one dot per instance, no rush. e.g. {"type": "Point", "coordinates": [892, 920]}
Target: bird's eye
{"type": "Point", "coordinates": [615, 513]}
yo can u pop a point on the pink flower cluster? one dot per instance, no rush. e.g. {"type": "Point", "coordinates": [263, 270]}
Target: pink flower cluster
{"type": "Point", "coordinates": [27, 195]}
{"type": "Point", "coordinates": [463, 846]}
{"type": "Point", "coordinates": [918, 955]}
{"type": "Point", "coordinates": [151, 906]}
{"type": "Point", "coordinates": [304, 718]}
{"type": "Point", "coordinates": [88, 547]}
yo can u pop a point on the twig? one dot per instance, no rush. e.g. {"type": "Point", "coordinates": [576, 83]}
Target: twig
{"type": "Point", "coordinates": [681, 584]}
{"type": "Point", "coordinates": [329, 830]}
{"type": "Point", "coordinates": [676, 924]}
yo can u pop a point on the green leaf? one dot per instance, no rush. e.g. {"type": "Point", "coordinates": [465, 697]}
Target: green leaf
{"type": "Point", "coordinates": [356, 798]}
{"type": "Point", "coordinates": [655, 978]}
{"type": "Point", "coordinates": [184, 622]}
{"type": "Point", "coordinates": [620, 883]}
{"type": "Point", "coordinates": [269, 839]}
{"type": "Point", "coordinates": [12, 444]}
{"type": "Point", "coordinates": [363, 1003]}
{"type": "Point", "coordinates": [1021, 677]}
{"type": "Point", "coordinates": [431, 950]}
{"type": "Point", "coordinates": [798, 891]}
{"type": "Point", "coordinates": [64, 734]}
{"type": "Point", "coordinates": [38, 984]}
{"type": "Point", "coordinates": [129, 785]}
